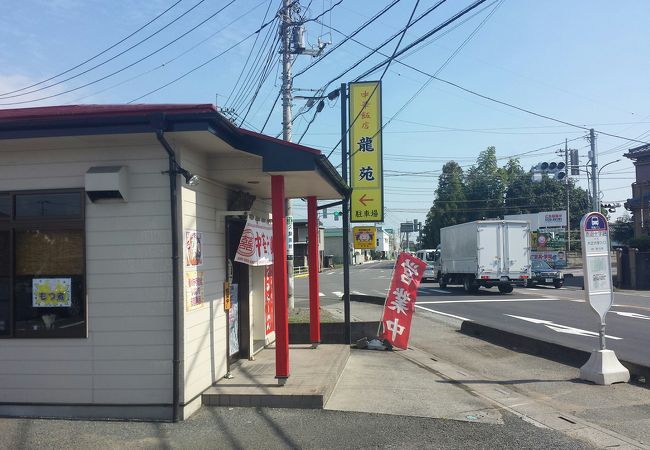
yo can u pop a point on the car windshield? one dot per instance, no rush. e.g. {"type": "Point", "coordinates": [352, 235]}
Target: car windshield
{"type": "Point", "coordinates": [541, 265]}
{"type": "Point", "coordinates": [430, 256]}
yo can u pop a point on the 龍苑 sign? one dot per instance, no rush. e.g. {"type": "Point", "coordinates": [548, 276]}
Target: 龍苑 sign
{"type": "Point", "coordinates": [366, 161]}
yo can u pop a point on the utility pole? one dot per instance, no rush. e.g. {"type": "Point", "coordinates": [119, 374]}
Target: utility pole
{"type": "Point", "coordinates": [595, 190]}
{"type": "Point", "coordinates": [568, 188]}
{"type": "Point", "coordinates": [285, 35]}
{"type": "Point", "coordinates": [293, 43]}
{"type": "Point", "coordinates": [346, 218]}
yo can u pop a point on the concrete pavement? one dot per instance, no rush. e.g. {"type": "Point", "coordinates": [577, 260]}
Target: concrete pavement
{"type": "Point", "coordinates": [448, 390]}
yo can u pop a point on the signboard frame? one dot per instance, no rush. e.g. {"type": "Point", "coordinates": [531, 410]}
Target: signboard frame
{"type": "Point", "coordinates": [367, 196]}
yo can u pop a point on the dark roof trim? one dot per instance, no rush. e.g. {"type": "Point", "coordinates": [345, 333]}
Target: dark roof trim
{"type": "Point", "coordinates": [87, 120]}
{"type": "Point", "coordinates": [636, 152]}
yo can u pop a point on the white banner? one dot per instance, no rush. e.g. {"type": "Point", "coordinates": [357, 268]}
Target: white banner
{"type": "Point", "coordinates": [255, 244]}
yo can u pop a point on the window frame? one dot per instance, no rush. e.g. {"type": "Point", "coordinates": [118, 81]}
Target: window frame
{"type": "Point", "coordinates": [12, 224]}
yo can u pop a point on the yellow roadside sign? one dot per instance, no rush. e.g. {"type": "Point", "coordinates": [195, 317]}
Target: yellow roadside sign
{"type": "Point", "coordinates": [366, 161]}
{"type": "Point", "coordinates": [365, 238]}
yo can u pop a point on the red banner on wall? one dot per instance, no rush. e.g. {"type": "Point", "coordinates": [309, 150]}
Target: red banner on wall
{"type": "Point", "coordinates": [400, 302]}
{"type": "Point", "coordinates": [269, 315]}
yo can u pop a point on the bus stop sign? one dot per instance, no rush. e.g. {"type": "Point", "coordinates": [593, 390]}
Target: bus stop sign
{"type": "Point", "coordinates": [596, 262]}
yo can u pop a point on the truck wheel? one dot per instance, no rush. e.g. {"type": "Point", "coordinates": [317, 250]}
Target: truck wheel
{"type": "Point", "coordinates": [505, 288]}
{"type": "Point", "coordinates": [469, 285]}
{"type": "Point", "coordinates": [442, 281]}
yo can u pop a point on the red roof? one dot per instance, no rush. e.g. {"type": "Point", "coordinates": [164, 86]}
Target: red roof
{"type": "Point", "coordinates": [100, 110]}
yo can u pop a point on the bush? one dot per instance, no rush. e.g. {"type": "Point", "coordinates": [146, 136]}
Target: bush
{"type": "Point", "coordinates": [642, 243]}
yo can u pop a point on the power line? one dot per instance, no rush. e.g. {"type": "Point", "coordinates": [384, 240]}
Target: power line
{"type": "Point", "coordinates": [169, 61]}
{"type": "Point", "coordinates": [123, 68]}
{"type": "Point", "coordinates": [255, 69]}
{"type": "Point", "coordinates": [95, 56]}
{"type": "Point", "coordinates": [250, 53]}
{"type": "Point", "coordinates": [441, 68]}
{"type": "Point", "coordinates": [411, 45]}
{"type": "Point", "coordinates": [322, 90]}
{"type": "Point", "coordinates": [109, 60]}
{"type": "Point", "coordinates": [204, 63]}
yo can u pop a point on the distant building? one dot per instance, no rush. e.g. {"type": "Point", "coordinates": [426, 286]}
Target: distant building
{"type": "Point", "coordinates": [300, 243]}
{"type": "Point", "coordinates": [639, 204]}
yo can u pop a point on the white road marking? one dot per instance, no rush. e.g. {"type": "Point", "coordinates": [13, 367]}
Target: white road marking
{"type": "Point", "coordinates": [438, 290]}
{"type": "Point", "coordinates": [631, 314]}
{"type": "Point", "coordinates": [494, 300]}
{"type": "Point", "coordinates": [442, 313]}
{"type": "Point", "coordinates": [333, 273]}
{"type": "Point", "coordinates": [562, 328]}
{"type": "Point", "coordinates": [338, 294]}
{"type": "Point", "coordinates": [320, 294]}
{"type": "Point", "coordinates": [358, 293]}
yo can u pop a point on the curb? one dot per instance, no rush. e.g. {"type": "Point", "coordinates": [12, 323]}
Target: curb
{"type": "Point", "coordinates": [537, 347]}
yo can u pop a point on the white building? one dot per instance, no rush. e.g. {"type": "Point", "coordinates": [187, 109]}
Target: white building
{"type": "Point", "coordinates": [112, 268]}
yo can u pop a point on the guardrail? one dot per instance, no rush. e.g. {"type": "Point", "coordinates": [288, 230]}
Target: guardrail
{"type": "Point", "coordinates": [300, 270]}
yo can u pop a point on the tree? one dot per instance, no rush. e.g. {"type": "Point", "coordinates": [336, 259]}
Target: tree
{"type": "Point", "coordinates": [448, 205]}
{"type": "Point", "coordinates": [622, 229]}
{"type": "Point", "coordinates": [484, 187]}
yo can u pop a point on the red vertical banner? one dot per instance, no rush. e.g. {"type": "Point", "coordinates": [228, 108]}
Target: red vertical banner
{"type": "Point", "coordinates": [400, 302]}
{"type": "Point", "coordinates": [268, 300]}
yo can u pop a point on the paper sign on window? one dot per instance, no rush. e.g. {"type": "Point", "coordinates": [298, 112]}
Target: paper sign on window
{"type": "Point", "coordinates": [51, 292]}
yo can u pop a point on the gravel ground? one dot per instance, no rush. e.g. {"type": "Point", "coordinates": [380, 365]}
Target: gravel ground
{"type": "Point", "coordinates": [243, 428]}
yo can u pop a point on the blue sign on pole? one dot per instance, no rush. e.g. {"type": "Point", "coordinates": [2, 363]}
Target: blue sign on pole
{"type": "Point", "coordinates": [595, 222]}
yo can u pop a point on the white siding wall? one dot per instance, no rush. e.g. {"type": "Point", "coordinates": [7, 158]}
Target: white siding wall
{"type": "Point", "coordinates": [204, 339]}
{"type": "Point", "coordinates": [205, 344]}
{"type": "Point", "coordinates": [127, 355]}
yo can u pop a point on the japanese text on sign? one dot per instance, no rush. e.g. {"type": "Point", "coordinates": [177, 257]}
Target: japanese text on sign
{"type": "Point", "coordinates": [194, 290]}
{"type": "Point", "coordinates": [269, 317]}
{"type": "Point", "coordinates": [366, 166]}
{"type": "Point", "coordinates": [400, 301]}
{"type": "Point", "coordinates": [51, 292]}
{"type": "Point", "coordinates": [255, 244]}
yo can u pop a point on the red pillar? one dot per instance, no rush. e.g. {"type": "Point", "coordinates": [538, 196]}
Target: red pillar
{"type": "Point", "coordinates": [280, 279]}
{"type": "Point", "coordinates": [312, 252]}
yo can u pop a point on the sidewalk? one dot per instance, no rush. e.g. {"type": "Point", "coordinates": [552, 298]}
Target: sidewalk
{"type": "Point", "coordinates": [539, 391]}
{"type": "Point", "coordinates": [448, 390]}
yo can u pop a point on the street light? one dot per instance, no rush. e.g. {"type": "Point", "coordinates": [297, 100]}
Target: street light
{"type": "Point", "coordinates": [605, 165]}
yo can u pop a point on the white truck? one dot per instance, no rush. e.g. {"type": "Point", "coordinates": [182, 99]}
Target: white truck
{"type": "Point", "coordinates": [485, 253]}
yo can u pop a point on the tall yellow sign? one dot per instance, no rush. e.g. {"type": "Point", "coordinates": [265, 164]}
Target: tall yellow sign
{"type": "Point", "coordinates": [366, 162]}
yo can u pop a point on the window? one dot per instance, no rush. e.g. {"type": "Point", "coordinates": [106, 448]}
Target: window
{"type": "Point", "coordinates": [42, 265]}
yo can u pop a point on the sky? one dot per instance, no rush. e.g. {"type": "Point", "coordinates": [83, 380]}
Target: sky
{"type": "Point", "coordinates": [582, 61]}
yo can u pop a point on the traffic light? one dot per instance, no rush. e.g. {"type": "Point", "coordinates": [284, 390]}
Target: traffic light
{"type": "Point", "coordinates": [611, 206]}
{"type": "Point", "coordinates": [553, 169]}
{"type": "Point", "coordinates": [337, 214]}
{"type": "Point", "coordinates": [574, 161]}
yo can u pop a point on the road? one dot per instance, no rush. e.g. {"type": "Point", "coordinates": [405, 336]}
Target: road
{"type": "Point", "coordinates": [560, 316]}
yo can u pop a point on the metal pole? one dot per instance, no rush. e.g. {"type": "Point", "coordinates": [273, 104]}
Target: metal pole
{"type": "Point", "coordinates": [601, 335]}
{"type": "Point", "coordinates": [346, 215]}
{"type": "Point", "coordinates": [286, 125]}
{"type": "Point", "coordinates": [595, 191]}
{"type": "Point", "coordinates": [568, 188]}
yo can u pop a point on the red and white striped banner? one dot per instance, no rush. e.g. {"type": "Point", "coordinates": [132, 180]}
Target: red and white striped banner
{"type": "Point", "coordinates": [400, 302]}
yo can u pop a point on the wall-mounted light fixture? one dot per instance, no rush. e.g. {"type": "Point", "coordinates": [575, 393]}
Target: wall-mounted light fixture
{"type": "Point", "coordinates": [190, 178]}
